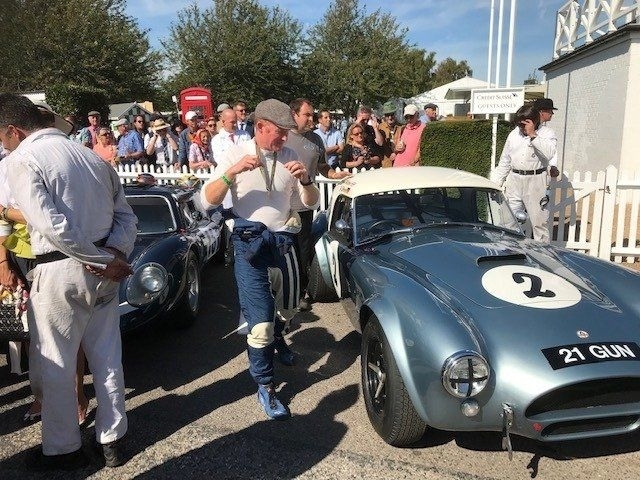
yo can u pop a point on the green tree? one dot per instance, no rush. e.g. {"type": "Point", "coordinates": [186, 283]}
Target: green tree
{"type": "Point", "coordinates": [351, 57]}
{"type": "Point", "coordinates": [237, 48]}
{"type": "Point", "coordinates": [90, 43]}
{"type": "Point", "coordinates": [449, 70]}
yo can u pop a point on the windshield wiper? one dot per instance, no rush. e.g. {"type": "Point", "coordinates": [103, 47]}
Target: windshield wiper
{"type": "Point", "coordinates": [385, 235]}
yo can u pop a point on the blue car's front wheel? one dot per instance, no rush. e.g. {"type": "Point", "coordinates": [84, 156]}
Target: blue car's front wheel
{"type": "Point", "coordinates": [388, 404]}
{"type": "Point", "coordinates": [189, 305]}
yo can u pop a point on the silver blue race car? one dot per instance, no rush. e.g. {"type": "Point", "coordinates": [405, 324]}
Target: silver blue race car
{"type": "Point", "coordinates": [466, 324]}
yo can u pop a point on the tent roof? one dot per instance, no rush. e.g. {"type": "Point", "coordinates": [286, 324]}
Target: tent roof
{"type": "Point", "coordinates": [449, 91]}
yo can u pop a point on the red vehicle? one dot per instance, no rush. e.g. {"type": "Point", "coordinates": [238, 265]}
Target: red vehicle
{"type": "Point", "coordinates": [198, 99]}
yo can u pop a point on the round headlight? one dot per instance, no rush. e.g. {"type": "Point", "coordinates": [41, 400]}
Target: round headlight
{"type": "Point", "coordinates": [465, 374]}
{"type": "Point", "coordinates": [146, 284]}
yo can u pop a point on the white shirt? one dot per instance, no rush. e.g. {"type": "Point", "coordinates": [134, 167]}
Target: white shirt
{"type": "Point", "coordinates": [6, 198]}
{"type": "Point", "coordinates": [165, 155]}
{"type": "Point", "coordinates": [221, 142]}
{"type": "Point", "coordinates": [522, 153]}
{"type": "Point", "coordinates": [70, 198]}
{"type": "Point", "coordinates": [249, 194]}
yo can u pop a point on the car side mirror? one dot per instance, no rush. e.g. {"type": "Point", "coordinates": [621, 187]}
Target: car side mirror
{"type": "Point", "coordinates": [521, 216]}
{"type": "Point", "coordinates": [343, 228]}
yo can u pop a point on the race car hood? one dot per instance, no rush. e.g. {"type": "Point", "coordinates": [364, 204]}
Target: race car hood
{"type": "Point", "coordinates": [142, 244]}
{"type": "Point", "coordinates": [494, 269]}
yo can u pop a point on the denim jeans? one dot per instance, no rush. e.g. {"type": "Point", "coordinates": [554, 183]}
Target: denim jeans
{"type": "Point", "coordinates": [255, 250]}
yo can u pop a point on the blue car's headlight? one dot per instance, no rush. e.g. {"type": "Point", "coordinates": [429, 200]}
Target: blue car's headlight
{"type": "Point", "coordinates": [465, 374]}
{"type": "Point", "coordinates": [146, 284]}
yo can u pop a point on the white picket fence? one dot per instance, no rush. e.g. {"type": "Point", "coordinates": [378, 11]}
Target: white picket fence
{"type": "Point", "coordinates": [597, 215]}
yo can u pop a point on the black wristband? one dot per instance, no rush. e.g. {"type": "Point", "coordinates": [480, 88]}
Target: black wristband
{"type": "Point", "coordinates": [306, 184]}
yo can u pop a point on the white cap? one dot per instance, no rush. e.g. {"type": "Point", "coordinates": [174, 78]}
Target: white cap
{"type": "Point", "coordinates": [410, 110]}
{"type": "Point", "coordinates": [190, 114]}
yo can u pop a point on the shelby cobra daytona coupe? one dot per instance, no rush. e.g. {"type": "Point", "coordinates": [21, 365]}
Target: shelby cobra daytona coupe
{"type": "Point", "coordinates": [466, 324]}
{"type": "Point", "coordinates": [175, 241]}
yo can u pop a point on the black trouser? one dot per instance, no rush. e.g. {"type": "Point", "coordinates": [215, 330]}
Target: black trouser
{"type": "Point", "coordinates": [304, 248]}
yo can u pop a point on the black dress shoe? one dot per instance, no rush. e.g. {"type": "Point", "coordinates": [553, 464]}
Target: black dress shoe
{"type": "Point", "coordinates": [39, 462]}
{"type": "Point", "coordinates": [112, 452]}
{"type": "Point", "coordinates": [304, 305]}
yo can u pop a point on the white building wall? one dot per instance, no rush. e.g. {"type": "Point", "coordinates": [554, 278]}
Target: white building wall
{"type": "Point", "coordinates": [630, 151]}
{"type": "Point", "coordinates": [596, 91]}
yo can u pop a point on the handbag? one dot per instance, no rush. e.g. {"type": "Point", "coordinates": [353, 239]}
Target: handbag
{"type": "Point", "coordinates": [13, 314]}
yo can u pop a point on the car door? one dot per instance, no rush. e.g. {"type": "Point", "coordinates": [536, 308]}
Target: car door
{"type": "Point", "coordinates": [339, 245]}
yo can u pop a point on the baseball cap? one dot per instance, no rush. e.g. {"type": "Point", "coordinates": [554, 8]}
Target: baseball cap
{"type": "Point", "coordinates": [122, 121]}
{"type": "Point", "coordinates": [410, 110]}
{"type": "Point", "coordinates": [222, 106]}
{"type": "Point", "coordinates": [190, 115]}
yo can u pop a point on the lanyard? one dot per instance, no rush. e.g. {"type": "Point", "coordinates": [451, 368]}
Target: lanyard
{"type": "Point", "coordinates": [268, 179]}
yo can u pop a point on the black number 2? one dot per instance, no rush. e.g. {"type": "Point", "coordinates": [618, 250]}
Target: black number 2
{"type": "Point", "coordinates": [536, 285]}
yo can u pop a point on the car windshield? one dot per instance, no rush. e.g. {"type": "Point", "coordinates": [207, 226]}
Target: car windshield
{"type": "Point", "coordinates": [401, 210]}
{"type": "Point", "coordinates": [154, 214]}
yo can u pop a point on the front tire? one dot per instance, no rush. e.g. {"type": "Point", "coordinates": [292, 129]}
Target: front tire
{"type": "Point", "coordinates": [187, 310]}
{"type": "Point", "coordinates": [317, 288]}
{"type": "Point", "coordinates": [389, 407]}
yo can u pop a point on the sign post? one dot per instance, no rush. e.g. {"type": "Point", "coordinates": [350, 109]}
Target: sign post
{"type": "Point", "coordinates": [496, 101]}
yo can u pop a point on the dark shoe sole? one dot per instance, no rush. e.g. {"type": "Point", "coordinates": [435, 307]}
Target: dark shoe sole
{"type": "Point", "coordinates": [39, 462]}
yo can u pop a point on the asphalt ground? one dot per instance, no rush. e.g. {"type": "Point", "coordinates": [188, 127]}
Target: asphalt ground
{"type": "Point", "coordinates": [193, 413]}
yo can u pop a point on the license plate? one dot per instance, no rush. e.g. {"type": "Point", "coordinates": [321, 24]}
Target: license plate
{"type": "Point", "coordinates": [582, 353]}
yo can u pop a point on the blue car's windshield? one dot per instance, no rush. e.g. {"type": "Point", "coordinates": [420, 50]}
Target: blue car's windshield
{"type": "Point", "coordinates": [382, 213]}
{"type": "Point", "coordinates": [154, 214]}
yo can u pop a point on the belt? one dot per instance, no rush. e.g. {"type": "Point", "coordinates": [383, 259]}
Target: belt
{"type": "Point", "coordinates": [56, 255]}
{"type": "Point", "coordinates": [529, 172]}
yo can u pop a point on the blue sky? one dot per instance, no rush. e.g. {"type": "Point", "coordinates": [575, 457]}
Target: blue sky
{"type": "Point", "coordinates": [451, 28]}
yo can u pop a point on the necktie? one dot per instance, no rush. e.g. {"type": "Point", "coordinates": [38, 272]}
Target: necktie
{"type": "Point", "coordinates": [241, 125]}
{"type": "Point", "coordinates": [231, 138]}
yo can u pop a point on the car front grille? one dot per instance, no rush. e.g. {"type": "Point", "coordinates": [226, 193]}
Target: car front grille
{"type": "Point", "coordinates": [623, 422]}
{"type": "Point", "coordinates": [586, 395]}
{"type": "Point", "coordinates": [596, 393]}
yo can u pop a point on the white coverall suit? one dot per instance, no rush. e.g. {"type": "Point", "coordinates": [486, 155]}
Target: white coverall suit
{"type": "Point", "coordinates": [71, 198]}
{"type": "Point", "coordinates": [523, 169]}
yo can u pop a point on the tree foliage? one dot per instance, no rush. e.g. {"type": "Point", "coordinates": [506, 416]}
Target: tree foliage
{"type": "Point", "coordinates": [449, 70]}
{"type": "Point", "coordinates": [352, 57]}
{"type": "Point", "coordinates": [90, 43]}
{"type": "Point", "coordinates": [237, 48]}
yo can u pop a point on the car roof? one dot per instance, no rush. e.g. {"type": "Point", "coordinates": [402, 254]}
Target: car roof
{"type": "Point", "coordinates": [402, 178]}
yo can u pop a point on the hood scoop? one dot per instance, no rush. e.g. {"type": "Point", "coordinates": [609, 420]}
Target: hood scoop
{"type": "Point", "coordinates": [506, 257]}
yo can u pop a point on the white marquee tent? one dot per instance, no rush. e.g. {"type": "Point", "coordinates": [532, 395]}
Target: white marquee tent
{"type": "Point", "coordinates": [446, 97]}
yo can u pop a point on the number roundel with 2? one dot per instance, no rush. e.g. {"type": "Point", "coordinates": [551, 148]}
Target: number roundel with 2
{"type": "Point", "coordinates": [530, 287]}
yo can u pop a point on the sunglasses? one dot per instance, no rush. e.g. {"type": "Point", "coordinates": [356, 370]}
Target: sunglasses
{"type": "Point", "coordinates": [356, 133]}
{"type": "Point", "coordinates": [211, 124]}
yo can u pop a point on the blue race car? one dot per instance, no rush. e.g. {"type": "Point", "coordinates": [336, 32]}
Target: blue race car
{"type": "Point", "coordinates": [466, 324]}
{"type": "Point", "coordinates": [176, 239]}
